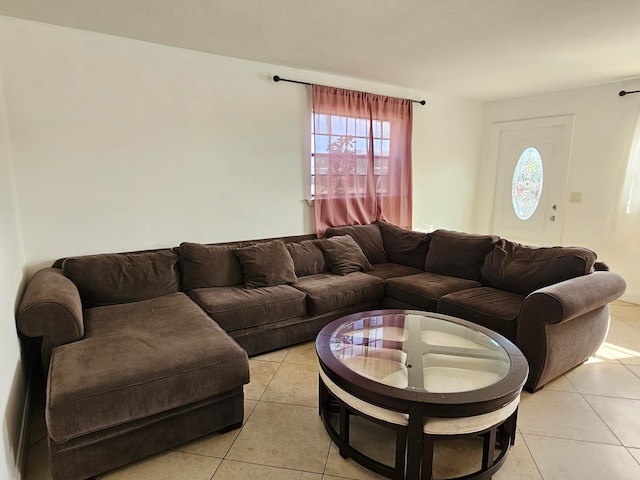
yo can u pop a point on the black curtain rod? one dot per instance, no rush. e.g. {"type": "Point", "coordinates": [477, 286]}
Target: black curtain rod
{"type": "Point", "coordinates": [277, 78]}
{"type": "Point", "coordinates": [623, 93]}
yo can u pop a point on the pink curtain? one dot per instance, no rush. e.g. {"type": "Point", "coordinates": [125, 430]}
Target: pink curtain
{"type": "Point", "coordinates": [362, 158]}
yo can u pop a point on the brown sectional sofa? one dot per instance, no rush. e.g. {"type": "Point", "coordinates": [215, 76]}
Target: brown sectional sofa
{"type": "Point", "coordinates": [146, 350]}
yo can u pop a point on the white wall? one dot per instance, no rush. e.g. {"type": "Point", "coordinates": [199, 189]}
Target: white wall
{"type": "Point", "coordinates": [604, 125]}
{"type": "Point", "coordinates": [120, 144]}
{"type": "Point", "coordinates": [12, 375]}
{"type": "Point", "coordinates": [115, 144]}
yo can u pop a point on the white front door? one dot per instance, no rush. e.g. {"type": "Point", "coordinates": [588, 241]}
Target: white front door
{"type": "Point", "coordinates": [532, 158]}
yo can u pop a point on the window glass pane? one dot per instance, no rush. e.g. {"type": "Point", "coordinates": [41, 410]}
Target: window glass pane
{"type": "Point", "coordinates": [386, 129]}
{"type": "Point", "coordinates": [321, 164]}
{"type": "Point", "coordinates": [351, 126]}
{"type": "Point", "coordinates": [342, 144]}
{"type": "Point", "coordinates": [377, 128]}
{"type": "Point", "coordinates": [362, 128]}
{"type": "Point", "coordinates": [338, 125]}
{"type": "Point", "coordinates": [386, 145]}
{"type": "Point", "coordinates": [361, 166]}
{"type": "Point", "coordinates": [322, 123]}
{"type": "Point", "coordinates": [321, 143]}
{"type": "Point", "coordinates": [526, 186]}
{"type": "Point", "coordinates": [361, 146]}
{"type": "Point", "coordinates": [377, 147]}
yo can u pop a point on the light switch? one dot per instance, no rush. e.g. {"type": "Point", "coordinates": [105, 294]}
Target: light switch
{"type": "Point", "coordinates": [575, 197]}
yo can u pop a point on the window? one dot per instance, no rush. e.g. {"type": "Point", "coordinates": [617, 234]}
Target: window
{"type": "Point", "coordinates": [526, 186]}
{"type": "Point", "coordinates": [352, 138]}
{"type": "Point", "coordinates": [361, 158]}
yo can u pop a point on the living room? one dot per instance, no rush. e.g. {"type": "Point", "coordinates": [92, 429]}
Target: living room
{"type": "Point", "coordinates": [112, 144]}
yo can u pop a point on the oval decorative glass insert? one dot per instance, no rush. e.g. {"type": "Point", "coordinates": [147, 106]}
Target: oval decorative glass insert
{"type": "Point", "coordinates": [526, 186]}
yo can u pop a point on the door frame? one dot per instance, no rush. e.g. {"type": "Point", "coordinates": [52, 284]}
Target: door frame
{"type": "Point", "coordinates": [497, 128]}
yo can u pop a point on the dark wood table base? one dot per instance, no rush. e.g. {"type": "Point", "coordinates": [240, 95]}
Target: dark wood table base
{"type": "Point", "coordinates": [497, 441]}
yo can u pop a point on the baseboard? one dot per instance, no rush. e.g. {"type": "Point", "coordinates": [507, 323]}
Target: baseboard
{"type": "Point", "coordinates": [25, 430]}
{"type": "Point", "coordinates": [631, 297]}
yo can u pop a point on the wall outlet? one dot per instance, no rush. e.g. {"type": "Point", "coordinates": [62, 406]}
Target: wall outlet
{"type": "Point", "coordinates": [575, 197]}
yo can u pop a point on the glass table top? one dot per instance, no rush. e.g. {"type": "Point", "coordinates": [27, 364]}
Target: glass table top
{"type": "Point", "coordinates": [420, 351]}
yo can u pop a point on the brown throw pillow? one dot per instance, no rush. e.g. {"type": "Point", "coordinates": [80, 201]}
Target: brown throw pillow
{"type": "Point", "coordinates": [405, 247]}
{"type": "Point", "coordinates": [523, 269]}
{"type": "Point", "coordinates": [457, 254]}
{"type": "Point", "coordinates": [368, 237]}
{"type": "Point", "coordinates": [113, 278]}
{"type": "Point", "coordinates": [204, 266]}
{"type": "Point", "coordinates": [344, 255]}
{"type": "Point", "coordinates": [266, 264]}
{"type": "Point", "coordinates": [308, 257]}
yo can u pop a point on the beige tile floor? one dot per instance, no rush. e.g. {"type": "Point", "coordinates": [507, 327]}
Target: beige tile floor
{"type": "Point", "coordinates": [583, 426]}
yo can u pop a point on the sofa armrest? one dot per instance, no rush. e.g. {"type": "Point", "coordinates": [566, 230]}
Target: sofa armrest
{"type": "Point", "coordinates": [569, 299]}
{"type": "Point", "coordinates": [562, 325]}
{"type": "Point", "coordinates": [51, 309]}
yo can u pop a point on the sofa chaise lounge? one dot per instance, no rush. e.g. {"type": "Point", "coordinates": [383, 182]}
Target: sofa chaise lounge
{"type": "Point", "coordinates": [146, 350]}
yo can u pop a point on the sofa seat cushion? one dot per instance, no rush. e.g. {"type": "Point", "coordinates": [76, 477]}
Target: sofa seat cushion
{"type": "Point", "coordinates": [489, 307]}
{"type": "Point", "coordinates": [424, 289]}
{"type": "Point", "coordinates": [236, 308]}
{"type": "Point", "coordinates": [327, 292]}
{"type": "Point", "coordinates": [137, 360]}
{"type": "Point", "coordinates": [391, 270]}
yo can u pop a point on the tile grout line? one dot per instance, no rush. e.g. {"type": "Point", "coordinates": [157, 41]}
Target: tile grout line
{"type": "Point", "coordinates": [531, 455]}
{"type": "Point", "coordinates": [582, 395]}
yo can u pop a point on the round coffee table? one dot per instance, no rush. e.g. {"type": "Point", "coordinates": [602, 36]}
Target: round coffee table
{"type": "Point", "coordinates": [427, 377]}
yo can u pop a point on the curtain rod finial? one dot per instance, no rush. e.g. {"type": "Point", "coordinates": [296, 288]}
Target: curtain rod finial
{"type": "Point", "coordinates": [276, 78]}
{"type": "Point", "coordinates": [422, 102]}
{"type": "Point", "coordinates": [622, 93]}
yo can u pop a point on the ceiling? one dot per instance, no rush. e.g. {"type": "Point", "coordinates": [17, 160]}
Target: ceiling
{"type": "Point", "coordinates": [481, 49]}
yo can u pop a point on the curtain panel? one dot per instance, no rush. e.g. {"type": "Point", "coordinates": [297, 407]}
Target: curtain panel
{"type": "Point", "coordinates": [627, 213]}
{"type": "Point", "coordinates": [361, 158]}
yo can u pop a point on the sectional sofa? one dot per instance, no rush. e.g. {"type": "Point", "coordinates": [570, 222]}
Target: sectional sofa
{"type": "Point", "coordinates": [146, 350]}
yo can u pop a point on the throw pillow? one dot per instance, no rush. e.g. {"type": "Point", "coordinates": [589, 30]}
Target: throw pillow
{"type": "Point", "coordinates": [457, 254]}
{"type": "Point", "coordinates": [368, 237]}
{"type": "Point", "coordinates": [113, 278]}
{"type": "Point", "coordinates": [523, 269]}
{"type": "Point", "coordinates": [405, 247]}
{"type": "Point", "coordinates": [204, 266]}
{"type": "Point", "coordinates": [308, 257]}
{"type": "Point", "coordinates": [344, 255]}
{"type": "Point", "coordinates": [266, 264]}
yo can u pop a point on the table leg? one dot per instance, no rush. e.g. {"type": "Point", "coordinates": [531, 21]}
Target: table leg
{"type": "Point", "coordinates": [415, 436]}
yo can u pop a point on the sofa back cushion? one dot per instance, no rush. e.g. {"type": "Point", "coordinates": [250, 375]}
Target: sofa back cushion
{"type": "Point", "coordinates": [108, 279]}
{"type": "Point", "coordinates": [204, 266]}
{"type": "Point", "coordinates": [523, 269]}
{"type": "Point", "coordinates": [458, 254]}
{"type": "Point", "coordinates": [368, 237]}
{"type": "Point", "coordinates": [266, 264]}
{"type": "Point", "coordinates": [344, 255]}
{"type": "Point", "coordinates": [404, 247]}
{"type": "Point", "coordinates": [308, 257]}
